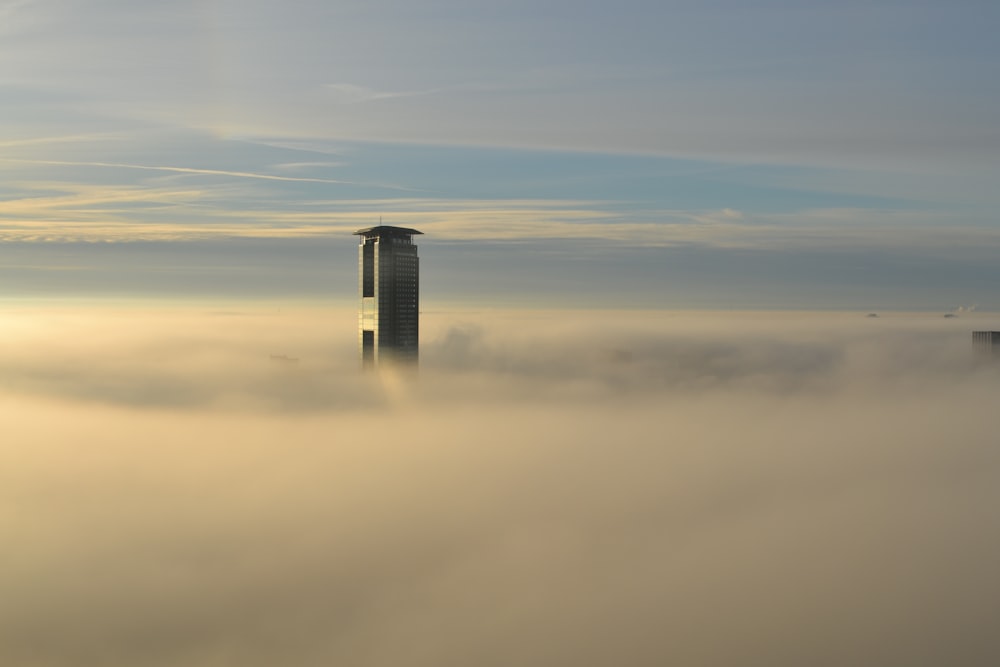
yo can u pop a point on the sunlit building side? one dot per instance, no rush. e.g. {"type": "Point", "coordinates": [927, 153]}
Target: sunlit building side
{"type": "Point", "coordinates": [389, 286]}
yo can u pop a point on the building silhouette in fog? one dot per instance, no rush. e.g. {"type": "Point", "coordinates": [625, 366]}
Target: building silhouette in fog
{"type": "Point", "coordinates": [986, 342]}
{"type": "Point", "coordinates": [389, 285]}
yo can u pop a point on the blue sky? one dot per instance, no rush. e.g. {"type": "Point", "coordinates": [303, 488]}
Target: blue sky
{"type": "Point", "coordinates": [711, 154]}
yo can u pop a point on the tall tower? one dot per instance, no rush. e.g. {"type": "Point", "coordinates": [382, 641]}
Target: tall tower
{"type": "Point", "coordinates": [389, 285]}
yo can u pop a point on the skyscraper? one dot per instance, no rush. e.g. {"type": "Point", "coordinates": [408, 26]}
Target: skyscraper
{"type": "Point", "coordinates": [389, 282]}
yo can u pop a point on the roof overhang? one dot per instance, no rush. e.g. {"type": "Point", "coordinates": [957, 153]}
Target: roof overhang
{"type": "Point", "coordinates": [386, 230]}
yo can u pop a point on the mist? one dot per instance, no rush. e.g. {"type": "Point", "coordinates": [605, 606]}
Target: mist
{"type": "Point", "coordinates": [186, 486]}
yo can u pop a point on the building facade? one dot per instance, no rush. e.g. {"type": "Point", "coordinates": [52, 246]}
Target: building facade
{"type": "Point", "coordinates": [389, 286]}
{"type": "Point", "coordinates": [986, 342]}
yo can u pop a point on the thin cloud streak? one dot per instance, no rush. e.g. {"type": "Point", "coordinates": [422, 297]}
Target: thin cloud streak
{"type": "Point", "coordinates": [210, 172]}
{"type": "Point", "coordinates": [61, 139]}
{"type": "Point", "coordinates": [347, 93]}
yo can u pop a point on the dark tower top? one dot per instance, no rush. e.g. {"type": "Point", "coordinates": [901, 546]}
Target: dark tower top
{"type": "Point", "coordinates": [386, 230]}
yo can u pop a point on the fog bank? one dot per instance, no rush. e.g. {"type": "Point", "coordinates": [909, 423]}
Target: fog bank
{"type": "Point", "coordinates": [192, 488]}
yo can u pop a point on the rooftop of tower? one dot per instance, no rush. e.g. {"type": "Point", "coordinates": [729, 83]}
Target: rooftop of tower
{"type": "Point", "coordinates": [386, 230]}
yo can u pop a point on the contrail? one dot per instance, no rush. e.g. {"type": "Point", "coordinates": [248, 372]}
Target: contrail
{"type": "Point", "coordinates": [209, 172]}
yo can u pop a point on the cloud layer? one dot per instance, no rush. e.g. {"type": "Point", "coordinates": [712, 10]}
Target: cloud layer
{"type": "Point", "coordinates": [192, 488]}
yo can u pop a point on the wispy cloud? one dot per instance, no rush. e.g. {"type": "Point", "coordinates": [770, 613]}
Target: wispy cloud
{"type": "Point", "coordinates": [310, 165]}
{"type": "Point", "coordinates": [348, 93]}
{"type": "Point", "coordinates": [185, 170]}
{"type": "Point", "coordinates": [66, 211]}
{"type": "Point", "coordinates": [58, 139]}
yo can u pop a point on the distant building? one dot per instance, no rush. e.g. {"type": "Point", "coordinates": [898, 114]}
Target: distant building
{"type": "Point", "coordinates": [389, 285]}
{"type": "Point", "coordinates": [986, 342]}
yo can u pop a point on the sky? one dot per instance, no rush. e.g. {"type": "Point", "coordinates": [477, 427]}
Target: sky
{"type": "Point", "coordinates": [713, 154]}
